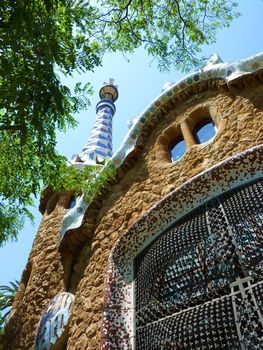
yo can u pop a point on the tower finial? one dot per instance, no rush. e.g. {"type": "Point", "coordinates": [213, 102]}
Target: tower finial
{"type": "Point", "coordinates": [109, 91]}
{"type": "Point", "coordinates": [99, 144]}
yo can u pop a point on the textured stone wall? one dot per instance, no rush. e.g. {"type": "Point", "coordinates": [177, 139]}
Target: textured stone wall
{"type": "Point", "coordinates": [240, 127]}
{"type": "Point", "coordinates": [238, 116]}
{"type": "Point", "coordinates": [44, 278]}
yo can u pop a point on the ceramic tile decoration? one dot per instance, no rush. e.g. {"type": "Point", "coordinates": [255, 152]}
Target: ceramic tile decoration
{"type": "Point", "coordinates": [99, 144]}
{"type": "Point", "coordinates": [170, 256]}
{"type": "Point", "coordinates": [54, 321]}
{"type": "Point", "coordinates": [119, 330]}
{"type": "Point", "coordinates": [215, 69]}
{"type": "Point", "coordinates": [180, 278]}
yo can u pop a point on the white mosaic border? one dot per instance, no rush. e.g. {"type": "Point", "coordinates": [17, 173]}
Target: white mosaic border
{"type": "Point", "coordinates": [118, 316]}
{"type": "Point", "coordinates": [225, 71]}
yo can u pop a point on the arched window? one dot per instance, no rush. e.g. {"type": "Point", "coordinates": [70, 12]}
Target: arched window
{"type": "Point", "coordinates": [190, 279]}
{"type": "Point", "coordinates": [198, 284]}
{"type": "Point", "coordinates": [204, 130]}
{"type": "Point", "coordinates": [177, 148]}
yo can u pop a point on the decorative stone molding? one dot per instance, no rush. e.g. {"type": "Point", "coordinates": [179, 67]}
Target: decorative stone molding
{"type": "Point", "coordinates": [118, 331]}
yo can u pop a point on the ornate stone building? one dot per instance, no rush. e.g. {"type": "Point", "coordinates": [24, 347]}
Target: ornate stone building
{"type": "Point", "coordinates": [170, 255]}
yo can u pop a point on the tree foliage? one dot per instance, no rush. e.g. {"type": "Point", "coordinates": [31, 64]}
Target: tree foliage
{"type": "Point", "coordinates": [171, 31]}
{"type": "Point", "coordinates": [42, 39]}
{"type": "Point", "coordinates": [7, 297]}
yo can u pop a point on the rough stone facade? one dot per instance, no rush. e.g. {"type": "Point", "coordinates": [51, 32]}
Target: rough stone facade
{"type": "Point", "coordinates": [237, 111]}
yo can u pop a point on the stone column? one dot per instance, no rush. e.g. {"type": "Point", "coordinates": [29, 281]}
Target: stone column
{"type": "Point", "coordinates": [187, 135]}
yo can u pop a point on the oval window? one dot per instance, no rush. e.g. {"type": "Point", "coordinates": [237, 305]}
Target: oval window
{"type": "Point", "coordinates": [204, 131]}
{"type": "Point", "coordinates": [177, 149]}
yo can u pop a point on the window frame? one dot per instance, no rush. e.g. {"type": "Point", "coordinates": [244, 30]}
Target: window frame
{"type": "Point", "coordinates": [119, 297]}
{"type": "Point", "coordinates": [200, 125]}
{"type": "Point", "coordinates": [173, 143]}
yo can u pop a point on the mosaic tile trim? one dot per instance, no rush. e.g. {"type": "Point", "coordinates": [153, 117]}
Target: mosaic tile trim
{"type": "Point", "coordinates": [180, 277]}
{"type": "Point", "coordinates": [54, 320]}
{"type": "Point", "coordinates": [226, 71]}
{"type": "Point", "coordinates": [118, 317]}
{"type": "Point", "coordinates": [99, 144]}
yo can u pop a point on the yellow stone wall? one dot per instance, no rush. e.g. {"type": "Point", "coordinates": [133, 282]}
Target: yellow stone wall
{"type": "Point", "coordinates": [238, 114]}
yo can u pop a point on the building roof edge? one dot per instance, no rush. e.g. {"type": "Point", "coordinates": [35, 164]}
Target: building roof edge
{"type": "Point", "coordinates": [226, 71]}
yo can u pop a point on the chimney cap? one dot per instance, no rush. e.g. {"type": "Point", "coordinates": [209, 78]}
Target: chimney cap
{"type": "Point", "coordinates": [109, 91]}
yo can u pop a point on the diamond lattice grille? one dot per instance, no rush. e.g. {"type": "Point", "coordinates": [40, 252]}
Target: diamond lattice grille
{"type": "Point", "coordinates": [198, 286]}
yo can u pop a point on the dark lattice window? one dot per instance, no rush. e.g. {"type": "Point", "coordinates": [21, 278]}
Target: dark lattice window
{"type": "Point", "coordinates": [204, 131]}
{"type": "Point", "coordinates": [177, 148]}
{"type": "Point", "coordinates": [199, 284]}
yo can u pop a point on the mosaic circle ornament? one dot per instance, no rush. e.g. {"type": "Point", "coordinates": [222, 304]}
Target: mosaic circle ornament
{"type": "Point", "coordinates": [52, 327]}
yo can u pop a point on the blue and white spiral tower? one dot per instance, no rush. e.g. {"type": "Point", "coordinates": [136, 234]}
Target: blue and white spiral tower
{"type": "Point", "coordinates": [99, 145]}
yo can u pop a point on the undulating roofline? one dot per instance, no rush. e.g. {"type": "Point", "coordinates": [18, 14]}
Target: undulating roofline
{"type": "Point", "coordinates": [215, 69]}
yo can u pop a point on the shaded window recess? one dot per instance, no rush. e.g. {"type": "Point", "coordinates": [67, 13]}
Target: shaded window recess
{"type": "Point", "coordinates": [204, 131]}
{"type": "Point", "coordinates": [180, 137]}
{"type": "Point", "coordinates": [177, 149]}
{"type": "Point", "coordinates": [72, 202]}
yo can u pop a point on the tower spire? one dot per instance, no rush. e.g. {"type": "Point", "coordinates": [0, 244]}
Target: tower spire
{"type": "Point", "coordinates": [99, 145]}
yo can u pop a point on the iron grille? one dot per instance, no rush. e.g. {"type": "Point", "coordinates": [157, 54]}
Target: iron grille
{"type": "Point", "coordinates": [199, 284]}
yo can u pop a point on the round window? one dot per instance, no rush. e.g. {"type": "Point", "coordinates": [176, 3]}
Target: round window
{"type": "Point", "coordinates": [204, 131]}
{"type": "Point", "coordinates": [177, 149]}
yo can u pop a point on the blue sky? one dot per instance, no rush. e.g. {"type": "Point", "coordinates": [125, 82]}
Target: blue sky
{"type": "Point", "coordinates": [139, 83]}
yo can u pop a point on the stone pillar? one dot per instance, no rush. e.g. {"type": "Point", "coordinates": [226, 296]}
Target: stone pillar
{"type": "Point", "coordinates": [188, 135]}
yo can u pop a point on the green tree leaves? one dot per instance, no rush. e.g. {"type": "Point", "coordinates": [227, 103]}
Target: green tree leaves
{"type": "Point", "coordinates": [172, 31]}
{"type": "Point", "coordinates": [7, 296]}
{"type": "Point", "coordinates": [41, 39]}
